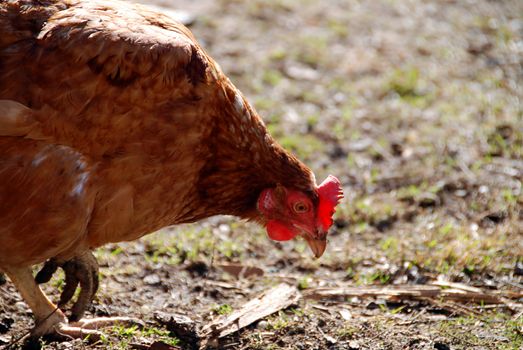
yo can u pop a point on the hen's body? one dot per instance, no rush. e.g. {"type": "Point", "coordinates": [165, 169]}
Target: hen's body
{"type": "Point", "coordinates": [125, 126]}
{"type": "Point", "coordinates": [114, 123]}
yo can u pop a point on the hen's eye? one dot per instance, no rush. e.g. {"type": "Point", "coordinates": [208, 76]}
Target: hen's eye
{"type": "Point", "coordinates": [300, 207]}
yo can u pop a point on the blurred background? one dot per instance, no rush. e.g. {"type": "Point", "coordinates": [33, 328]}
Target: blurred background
{"type": "Point", "coordinates": [416, 106]}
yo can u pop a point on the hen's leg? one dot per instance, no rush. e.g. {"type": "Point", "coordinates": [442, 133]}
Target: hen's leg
{"type": "Point", "coordinates": [48, 318]}
{"type": "Point", "coordinates": [82, 270]}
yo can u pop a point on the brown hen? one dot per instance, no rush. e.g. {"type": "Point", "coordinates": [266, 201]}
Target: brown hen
{"type": "Point", "coordinates": [114, 123]}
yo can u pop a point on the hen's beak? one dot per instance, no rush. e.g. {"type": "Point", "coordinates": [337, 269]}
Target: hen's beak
{"type": "Point", "coordinates": [317, 245]}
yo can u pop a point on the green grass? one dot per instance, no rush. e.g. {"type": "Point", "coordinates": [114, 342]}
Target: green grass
{"type": "Point", "coordinates": [120, 337]}
{"type": "Point", "coordinates": [493, 331]}
{"type": "Point", "coordinates": [347, 331]}
{"type": "Point", "coordinates": [224, 309]}
{"type": "Point", "coordinates": [280, 321]}
{"type": "Point", "coordinates": [305, 146]}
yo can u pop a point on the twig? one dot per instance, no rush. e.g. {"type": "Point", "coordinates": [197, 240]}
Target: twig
{"type": "Point", "coordinates": [413, 319]}
{"type": "Point", "coordinates": [277, 298]}
{"type": "Point", "coordinates": [473, 294]}
{"type": "Point", "coordinates": [455, 285]}
{"type": "Point", "coordinates": [517, 316]}
{"type": "Point", "coordinates": [456, 309]}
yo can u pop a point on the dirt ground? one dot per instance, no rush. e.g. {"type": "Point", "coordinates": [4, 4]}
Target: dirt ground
{"type": "Point", "coordinates": [417, 107]}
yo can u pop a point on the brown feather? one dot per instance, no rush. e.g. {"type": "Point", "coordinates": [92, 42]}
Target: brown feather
{"type": "Point", "coordinates": [163, 135]}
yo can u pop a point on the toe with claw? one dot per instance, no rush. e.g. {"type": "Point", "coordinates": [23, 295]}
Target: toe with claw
{"type": "Point", "coordinates": [81, 270]}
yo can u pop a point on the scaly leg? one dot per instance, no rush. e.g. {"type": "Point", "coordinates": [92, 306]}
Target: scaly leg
{"type": "Point", "coordinates": [83, 270]}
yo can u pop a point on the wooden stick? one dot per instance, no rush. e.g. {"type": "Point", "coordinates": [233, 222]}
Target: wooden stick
{"type": "Point", "coordinates": [459, 293]}
{"type": "Point", "coordinates": [275, 299]}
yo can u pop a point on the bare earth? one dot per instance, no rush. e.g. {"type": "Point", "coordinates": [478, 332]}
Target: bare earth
{"type": "Point", "coordinates": [417, 107]}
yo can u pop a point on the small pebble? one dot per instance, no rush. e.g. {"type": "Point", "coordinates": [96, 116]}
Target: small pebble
{"type": "Point", "coordinates": [224, 228]}
{"type": "Point", "coordinates": [263, 325]}
{"type": "Point", "coordinates": [354, 345]}
{"type": "Point", "coordinates": [20, 305]}
{"type": "Point", "coordinates": [345, 314]}
{"type": "Point", "coordinates": [152, 279]}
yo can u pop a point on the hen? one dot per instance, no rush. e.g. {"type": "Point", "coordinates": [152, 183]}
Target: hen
{"type": "Point", "coordinates": [114, 123]}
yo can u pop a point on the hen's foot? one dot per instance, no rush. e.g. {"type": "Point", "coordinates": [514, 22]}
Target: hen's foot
{"type": "Point", "coordinates": [82, 270]}
{"type": "Point", "coordinates": [56, 327]}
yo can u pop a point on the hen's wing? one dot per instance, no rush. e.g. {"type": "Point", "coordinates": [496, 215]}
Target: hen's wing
{"type": "Point", "coordinates": [95, 66]}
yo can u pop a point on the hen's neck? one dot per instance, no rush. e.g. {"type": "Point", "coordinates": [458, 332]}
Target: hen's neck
{"type": "Point", "coordinates": [243, 160]}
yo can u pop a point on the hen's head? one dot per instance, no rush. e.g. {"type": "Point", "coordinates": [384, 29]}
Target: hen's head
{"type": "Point", "coordinates": [289, 213]}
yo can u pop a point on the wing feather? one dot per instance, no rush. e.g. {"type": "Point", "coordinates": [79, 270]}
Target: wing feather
{"type": "Point", "coordinates": [100, 75]}
{"type": "Point", "coordinates": [123, 41]}
{"type": "Point", "coordinates": [97, 58]}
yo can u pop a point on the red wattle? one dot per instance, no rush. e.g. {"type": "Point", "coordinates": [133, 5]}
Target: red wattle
{"type": "Point", "coordinates": [278, 231]}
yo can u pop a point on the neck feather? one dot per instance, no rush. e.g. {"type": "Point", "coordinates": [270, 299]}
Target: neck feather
{"type": "Point", "coordinates": [243, 160]}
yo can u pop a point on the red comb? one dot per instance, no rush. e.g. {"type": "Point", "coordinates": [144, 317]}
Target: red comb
{"type": "Point", "coordinates": [330, 193]}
